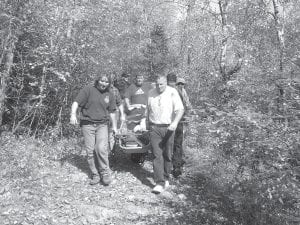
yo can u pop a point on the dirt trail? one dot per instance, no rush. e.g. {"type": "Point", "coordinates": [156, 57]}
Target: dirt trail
{"type": "Point", "coordinates": [60, 194]}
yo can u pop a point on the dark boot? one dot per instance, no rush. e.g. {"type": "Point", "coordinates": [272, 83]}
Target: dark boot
{"type": "Point", "coordinates": [95, 180]}
{"type": "Point", "coordinates": [177, 172]}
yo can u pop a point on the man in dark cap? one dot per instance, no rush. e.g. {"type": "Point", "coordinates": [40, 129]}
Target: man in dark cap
{"type": "Point", "coordinates": [178, 150]}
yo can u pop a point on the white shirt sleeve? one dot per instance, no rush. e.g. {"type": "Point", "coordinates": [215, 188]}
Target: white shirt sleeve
{"type": "Point", "coordinates": [177, 103]}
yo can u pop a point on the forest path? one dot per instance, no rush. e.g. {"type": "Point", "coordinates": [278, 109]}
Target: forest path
{"type": "Point", "coordinates": [60, 194]}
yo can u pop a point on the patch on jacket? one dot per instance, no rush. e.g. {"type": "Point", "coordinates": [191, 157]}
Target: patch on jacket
{"type": "Point", "coordinates": [106, 99]}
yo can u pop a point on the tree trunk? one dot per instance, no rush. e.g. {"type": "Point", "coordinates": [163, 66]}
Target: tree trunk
{"type": "Point", "coordinates": [222, 63]}
{"type": "Point", "coordinates": [279, 32]}
{"type": "Point", "coordinates": [8, 63]}
{"type": "Point", "coordinates": [185, 48]}
{"type": "Point", "coordinates": [281, 46]}
{"type": "Point", "coordinates": [225, 70]}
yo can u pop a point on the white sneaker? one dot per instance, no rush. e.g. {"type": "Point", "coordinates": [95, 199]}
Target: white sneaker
{"type": "Point", "coordinates": [167, 184]}
{"type": "Point", "coordinates": [158, 189]}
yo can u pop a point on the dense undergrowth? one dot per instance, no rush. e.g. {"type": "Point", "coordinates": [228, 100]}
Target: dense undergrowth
{"type": "Point", "coordinates": [257, 162]}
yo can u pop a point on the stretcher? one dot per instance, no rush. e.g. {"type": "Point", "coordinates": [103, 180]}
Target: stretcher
{"type": "Point", "coordinates": [137, 144]}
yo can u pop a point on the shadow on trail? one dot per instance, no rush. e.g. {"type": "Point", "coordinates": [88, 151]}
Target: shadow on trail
{"type": "Point", "coordinates": [121, 162]}
{"type": "Point", "coordinates": [77, 160]}
{"type": "Point", "coordinates": [203, 203]}
{"type": "Point", "coordinates": [197, 198]}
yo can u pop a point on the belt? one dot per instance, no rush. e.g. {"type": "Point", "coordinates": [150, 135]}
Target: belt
{"type": "Point", "coordinates": [86, 122]}
{"type": "Point", "coordinates": [159, 125]}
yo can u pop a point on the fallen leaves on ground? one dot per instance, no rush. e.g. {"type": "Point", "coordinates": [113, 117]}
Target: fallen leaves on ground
{"type": "Point", "coordinates": [59, 193]}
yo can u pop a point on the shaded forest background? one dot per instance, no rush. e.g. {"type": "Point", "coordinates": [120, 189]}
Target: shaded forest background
{"type": "Point", "coordinates": [241, 61]}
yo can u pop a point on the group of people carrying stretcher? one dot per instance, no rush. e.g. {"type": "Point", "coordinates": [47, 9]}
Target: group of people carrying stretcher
{"type": "Point", "coordinates": [158, 109]}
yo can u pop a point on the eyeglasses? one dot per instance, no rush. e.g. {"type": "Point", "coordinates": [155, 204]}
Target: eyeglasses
{"type": "Point", "coordinates": [104, 81]}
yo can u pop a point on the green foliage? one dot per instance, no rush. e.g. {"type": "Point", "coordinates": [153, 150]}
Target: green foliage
{"type": "Point", "coordinates": [62, 46]}
{"type": "Point", "coordinates": [264, 155]}
{"type": "Point", "coordinates": [157, 58]}
{"type": "Point", "coordinates": [252, 114]}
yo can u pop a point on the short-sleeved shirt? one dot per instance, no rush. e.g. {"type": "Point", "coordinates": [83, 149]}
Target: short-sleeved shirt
{"type": "Point", "coordinates": [162, 106]}
{"type": "Point", "coordinates": [95, 105]}
{"type": "Point", "coordinates": [138, 95]}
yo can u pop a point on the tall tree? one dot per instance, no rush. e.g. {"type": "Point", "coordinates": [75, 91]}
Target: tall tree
{"type": "Point", "coordinates": [225, 71]}
{"type": "Point", "coordinates": [185, 43]}
{"type": "Point", "coordinates": [12, 14]}
{"type": "Point", "coordinates": [279, 28]}
{"type": "Point", "coordinates": [156, 52]}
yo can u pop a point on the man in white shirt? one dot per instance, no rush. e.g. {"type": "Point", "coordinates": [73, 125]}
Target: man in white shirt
{"type": "Point", "coordinates": [164, 111]}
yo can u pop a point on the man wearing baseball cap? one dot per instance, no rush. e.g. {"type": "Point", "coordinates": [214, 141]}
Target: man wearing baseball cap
{"type": "Point", "coordinates": [178, 150]}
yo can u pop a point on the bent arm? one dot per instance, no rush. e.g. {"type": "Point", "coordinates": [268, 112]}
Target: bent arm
{"type": "Point", "coordinates": [113, 121]}
{"type": "Point", "coordinates": [178, 115]}
{"type": "Point", "coordinates": [187, 100]}
{"type": "Point", "coordinates": [122, 113]}
{"type": "Point", "coordinates": [178, 110]}
{"type": "Point", "coordinates": [128, 105]}
{"type": "Point", "coordinates": [174, 123]}
{"type": "Point", "coordinates": [133, 106]}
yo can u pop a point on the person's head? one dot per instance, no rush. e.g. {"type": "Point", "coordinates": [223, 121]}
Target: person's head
{"type": "Point", "coordinates": [161, 83]}
{"type": "Point", "coordinates": [180, 82]}
{"type": "Point", "coordinates": [125, 76]}
{"type": "Point", "coordinates": [102, 82]}
{"type": "Point", "coordinates": [171, 79]}
{"type": "Point", "coordinates": [139, 80]}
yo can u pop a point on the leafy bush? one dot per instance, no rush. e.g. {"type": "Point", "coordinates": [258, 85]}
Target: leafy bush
{"type": "Point", "coordinates": [265, 185]}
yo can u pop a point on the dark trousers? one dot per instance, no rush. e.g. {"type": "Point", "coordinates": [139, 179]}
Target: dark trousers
{"type": "Point", "coordinates": [178, 151]}
{"type": "Point", "coordinates": [162, 146]}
